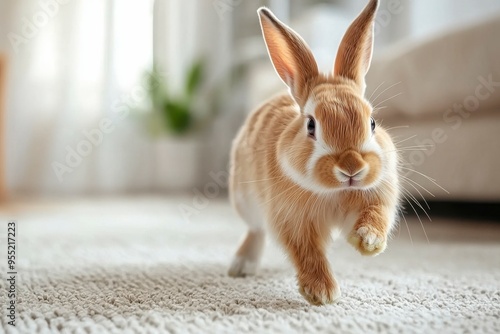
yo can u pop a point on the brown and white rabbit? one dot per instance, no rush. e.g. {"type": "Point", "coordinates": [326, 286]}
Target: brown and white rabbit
{"type": "Point", "coordinates": [313, 160]}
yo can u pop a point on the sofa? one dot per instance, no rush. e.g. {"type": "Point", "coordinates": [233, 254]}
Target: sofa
{"type": "Point", "coordinates": [442, 97]}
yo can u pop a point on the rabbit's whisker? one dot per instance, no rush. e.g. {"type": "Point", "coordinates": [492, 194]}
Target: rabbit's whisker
{"type": "Point", "coordinates": [407, 179]}
{"type": "Point", "coordinates": [255, 181]}
{"type": "Point", "coordinates": [398, 127]}
{"type": "Point", "coordinates": [389, 98]}
{"type": "Point", "coordinates": [407, 192]}
{"type": "Point", "coordinates": [407, 226]}
{"type": "Point", "coordinates": [427, 177]}
{"type": "Point", "coordinates": [418, 216]}
{"type": "Point", "coordinates": [376, 89]}
{"type": "Point", "coordinates": [385, 90]}
{"type": "Point", "coordinates": [402, 141]}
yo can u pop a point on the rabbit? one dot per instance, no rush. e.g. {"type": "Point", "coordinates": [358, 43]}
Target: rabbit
{"type": "Point", "coordinates": [314, 161]}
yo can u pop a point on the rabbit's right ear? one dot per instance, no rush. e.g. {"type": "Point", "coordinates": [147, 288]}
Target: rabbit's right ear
{"type": "Point", "coordinates": [291, 57]}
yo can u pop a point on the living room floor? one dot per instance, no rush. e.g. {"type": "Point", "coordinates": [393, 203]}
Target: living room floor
{"type": "Point", "coordinates": [138, 264]}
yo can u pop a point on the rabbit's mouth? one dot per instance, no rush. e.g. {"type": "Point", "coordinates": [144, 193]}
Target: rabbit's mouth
{"type": "Point", "coordinates": [351, 183]}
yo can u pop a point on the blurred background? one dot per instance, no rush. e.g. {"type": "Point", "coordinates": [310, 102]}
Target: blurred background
{"type": "Point", "coordinates": [144, 97]}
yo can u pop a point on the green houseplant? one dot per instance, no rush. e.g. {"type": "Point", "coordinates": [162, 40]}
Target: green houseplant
{"type": "Point", "coordinates": [178, 122]}
{"type": "Point", "coordinates": [175, 114]}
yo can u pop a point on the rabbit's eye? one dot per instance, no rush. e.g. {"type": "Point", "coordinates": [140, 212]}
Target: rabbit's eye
{"type": "Point", "coordinates": [372, 124]}
{"type": "Point", "coordinates": [311, 127]}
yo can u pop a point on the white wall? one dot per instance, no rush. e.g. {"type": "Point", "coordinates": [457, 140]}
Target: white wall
{"type": "Point", "coordinates": [431, 16]}
{"type": "Point", "coordinates": [400, 19]}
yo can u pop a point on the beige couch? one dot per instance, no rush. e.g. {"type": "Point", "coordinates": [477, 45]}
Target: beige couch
{"type": "Point", "coordinates": [447, 90]}
{"type": "Point", "coordinates": [423, 85]}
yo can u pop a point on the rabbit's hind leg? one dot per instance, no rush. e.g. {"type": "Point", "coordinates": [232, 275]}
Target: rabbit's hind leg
{"type": "Point", "coordinates": [249, 253]}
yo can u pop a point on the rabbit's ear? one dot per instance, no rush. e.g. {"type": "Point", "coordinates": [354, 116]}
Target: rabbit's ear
{"type": "Point", "coordinates": [356, 49]}
{"type": "Point", "coordinates": [291, 57]}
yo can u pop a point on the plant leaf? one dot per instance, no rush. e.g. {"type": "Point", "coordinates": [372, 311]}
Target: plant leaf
{"type": "Point", "coordinates": [194, 78]}
{"type": "Point", "coordinates": [177, 117]}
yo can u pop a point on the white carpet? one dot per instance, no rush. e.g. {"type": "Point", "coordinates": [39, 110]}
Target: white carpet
{"type": "Point", "coordinates": [136, 266]}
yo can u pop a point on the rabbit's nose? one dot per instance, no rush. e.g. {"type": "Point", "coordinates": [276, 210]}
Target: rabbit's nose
{"type": "Point", "coordinates": [344, 175]}
{"type": "Point", "coordinates": [351, 164]}
{"type": "Point", "coordinates": [351, 174]}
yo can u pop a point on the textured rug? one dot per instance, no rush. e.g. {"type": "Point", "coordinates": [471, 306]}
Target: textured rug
{"type": "Point", "coordinates": [135, 265]}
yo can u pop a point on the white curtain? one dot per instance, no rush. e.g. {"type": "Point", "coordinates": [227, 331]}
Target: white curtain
{"type": "Point", "coordinates": [75, 86]}
{"type": "Point", "coordinates": [75, 69]}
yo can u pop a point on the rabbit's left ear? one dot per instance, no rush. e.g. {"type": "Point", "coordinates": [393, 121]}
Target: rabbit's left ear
{"type": "Point", "coordinates": [356, 49]}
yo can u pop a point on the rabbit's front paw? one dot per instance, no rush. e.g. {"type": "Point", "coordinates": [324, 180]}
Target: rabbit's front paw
{"type": "Point", "coordinates": [368, 241]}
{"type": "Point", "coordinates": [320, 291]}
